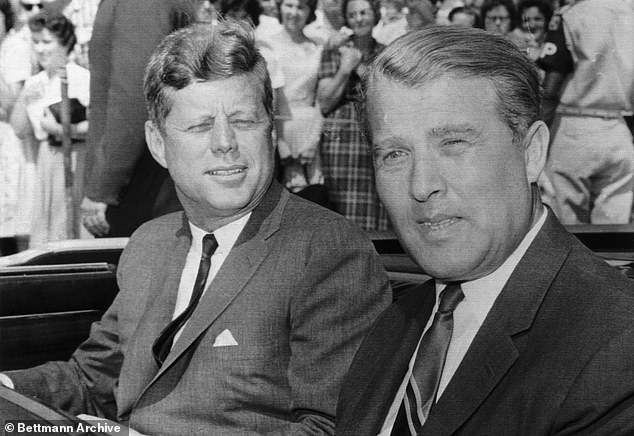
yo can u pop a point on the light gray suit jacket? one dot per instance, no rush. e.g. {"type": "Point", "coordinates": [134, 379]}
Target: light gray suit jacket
{"type": "Point", "coordinates": [298, 292]}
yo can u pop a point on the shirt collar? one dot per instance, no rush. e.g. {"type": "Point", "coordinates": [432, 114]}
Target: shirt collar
{"type": "Point", "coordinates": [480, 294]}
{"type": "Point", "coordinates": [226, 235]}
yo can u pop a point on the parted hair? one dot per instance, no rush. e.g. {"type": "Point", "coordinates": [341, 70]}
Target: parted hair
{"type": "Point", "coordinates": [202, 53]}
{"type": "Point", "coordinates": [57, 24]}
{"type": "Point", "coordinates": [420, 57]}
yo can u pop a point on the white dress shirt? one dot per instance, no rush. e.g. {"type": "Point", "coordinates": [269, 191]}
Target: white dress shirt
{"type": "Point", "coordinates": [480, 294]}
{"type": "Point", "coordinates": [226, 236]}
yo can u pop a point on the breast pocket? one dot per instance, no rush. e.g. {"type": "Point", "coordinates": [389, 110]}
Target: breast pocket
{"type": "Point", "coordinates": [247, 351]}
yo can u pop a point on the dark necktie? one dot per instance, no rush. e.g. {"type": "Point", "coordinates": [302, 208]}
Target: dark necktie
{"type": "Point", "coordinates": [163, 344]}
{"type": "Point", "coordinates": [422, 386]}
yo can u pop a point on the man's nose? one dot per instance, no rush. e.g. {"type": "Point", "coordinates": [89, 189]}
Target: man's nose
{"type": "Point", "coordinates": [223, 137]}
{"type": "Point", "coordinates": [426, 180]}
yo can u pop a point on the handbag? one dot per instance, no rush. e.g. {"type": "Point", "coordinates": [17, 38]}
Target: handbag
{"type": "Point", "coordinates": [77, 115]}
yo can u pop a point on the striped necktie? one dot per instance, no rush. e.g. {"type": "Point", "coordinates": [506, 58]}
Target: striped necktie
{"type": "Point", "coordinates": [422, 386]}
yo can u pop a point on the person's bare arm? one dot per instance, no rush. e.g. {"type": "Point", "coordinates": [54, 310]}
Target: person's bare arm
{"type": "Point", "coordinates": [330, 89]}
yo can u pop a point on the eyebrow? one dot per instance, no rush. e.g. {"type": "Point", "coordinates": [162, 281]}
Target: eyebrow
{"type": "Point", "coordinates": [452, 129]}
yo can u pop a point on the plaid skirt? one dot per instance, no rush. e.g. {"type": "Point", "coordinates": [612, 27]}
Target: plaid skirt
{"type": "Point", "coordinates": [348, 170]}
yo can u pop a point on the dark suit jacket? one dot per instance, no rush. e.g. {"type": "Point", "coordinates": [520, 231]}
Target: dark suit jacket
{"type": "Point", "coordinates": [120, 169]}
{"type": "Point", "coordinates": [298, 292]}
{"type": "Point", "coordinates": [555, 355]}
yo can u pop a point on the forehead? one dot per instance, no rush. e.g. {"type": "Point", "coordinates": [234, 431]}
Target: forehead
{"type": "Point", "coordinates": [532, 11]}
{"type": "Point", "coordinates": [43, 35]}
{"type": "Point", "coordinates": [299, 3]}
{"type": "Point", "coordinates": [395, 109]}
{"type": "Point", "coordinates": [358, 5]}
{"type": "Point", "coordinates": [498, 11]}
{"type": "Point", "coordinates": [236, 94]}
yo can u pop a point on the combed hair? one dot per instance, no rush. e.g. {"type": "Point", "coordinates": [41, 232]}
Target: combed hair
{"type": "Point", "coordinates": [420, 57]}
{"type": "Point", "coordinates": [202, 53]}
{"type": "Point", "coordinates": [56, 23]}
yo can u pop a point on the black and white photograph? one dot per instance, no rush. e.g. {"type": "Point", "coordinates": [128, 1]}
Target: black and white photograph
{"type": "Point", "coordinates": [317, 217]}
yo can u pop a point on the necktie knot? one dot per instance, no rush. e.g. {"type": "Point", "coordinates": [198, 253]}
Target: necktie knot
{"type": "Point", "coordinates": [450, 297]}
{"type": "Point", "coordinates": [209, 245]}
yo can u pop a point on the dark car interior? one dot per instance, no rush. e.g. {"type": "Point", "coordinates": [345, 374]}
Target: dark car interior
{"type": "Point", "coordinates": [49, 300]}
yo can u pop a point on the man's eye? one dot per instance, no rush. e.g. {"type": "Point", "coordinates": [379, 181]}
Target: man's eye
{"type": "Point", "coordinates": [388, 156]}
{"type": "Point", "coordinates": [200, 128]}
{"type": "Point", "coordinates": [453, 143]}
{"type": "Point", "coordinates": [395, 154]}
{"type": "Point", "coordinates": [244, 123]}
{"type": "Point", "coordinates": [454, 147]}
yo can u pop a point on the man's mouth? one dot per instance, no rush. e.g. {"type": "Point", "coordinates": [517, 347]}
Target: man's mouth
{"type": "Point", "coordinates": [227, 171]}
{"type": "Point", "coordinates": [439, 223]}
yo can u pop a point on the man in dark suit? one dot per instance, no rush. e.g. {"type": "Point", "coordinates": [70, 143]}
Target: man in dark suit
{"type": "Point", "coordinates": [522, 331]}
{"type": "Point", "coordinates": [124, 186]}
{"type": "Point", "coordinates": [291, 288]}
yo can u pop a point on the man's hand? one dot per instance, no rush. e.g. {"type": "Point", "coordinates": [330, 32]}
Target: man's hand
{"type": "Point", "coordinates": [93, 217]}
{"type": "Point", "coordinates": [6, 381]}
{"type": "Point", "coordinates": [125, 430]}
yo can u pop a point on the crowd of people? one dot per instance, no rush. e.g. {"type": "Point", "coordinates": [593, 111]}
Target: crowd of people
{"type": "Point", "coordinates": [255, 312]}
{"type": "Point", "coordinates": [317, 52]}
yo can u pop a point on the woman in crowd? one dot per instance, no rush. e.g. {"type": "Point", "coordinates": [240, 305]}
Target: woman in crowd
{"type": "Point", "coordinates": [346, 156]}
{"type": "Point", "coordinates": [328, 27]}
{"type": "Point", "coordinates": [12, 167]}
{"type": "Point", "coordinates": [500, 16]}
{"type": "Point", "coordinates": [535, 16]}
{"type": "Point", "coordinates": [36, 119]}
{"type": "Point", "coordinates": [421, 13]}
{"type": "Point", "coordinates": [299, 118]}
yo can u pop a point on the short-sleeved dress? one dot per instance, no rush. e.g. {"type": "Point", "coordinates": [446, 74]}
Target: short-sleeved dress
{"type": "Point", "coordinates": [346, 157]}
{"type": "Point", "coordinates": [12, 167]}
{"type": "Point", "coordinates": [49, 209]}
{"type": "Point", "coordinates": [301, 131]}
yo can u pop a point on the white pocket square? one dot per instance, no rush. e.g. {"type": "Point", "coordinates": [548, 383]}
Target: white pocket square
{"type": "Point", "coordinates": [225, 339]}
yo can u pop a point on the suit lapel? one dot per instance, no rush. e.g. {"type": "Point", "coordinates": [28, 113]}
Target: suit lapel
{"type": "Point", "coordinates": [382, 361]}
{"type": "Point", "coordinates": [245, 257]}
{"type": "Point", "coordinates": [493, 350]}
{"type": "Point", "coordinates": [139, 366]}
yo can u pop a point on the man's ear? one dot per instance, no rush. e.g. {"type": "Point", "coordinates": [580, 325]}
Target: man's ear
{"type": "Point", "coordinates": [536, 149]}
{"type": "Point", "coordinates": [155, 143]}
